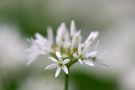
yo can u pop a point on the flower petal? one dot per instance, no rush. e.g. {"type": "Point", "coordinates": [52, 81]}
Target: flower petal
{"type": "Point", "coordinates": [76, 40]}
{"type": "Point", "coordinates": [38, 36]}
{"type": "Point", "coordinates": [51, 66]}
{"type": "Point", "coordinates": [58, 54]}
{"type": "Point", "coordinates": [66, 61]}
{"type": "Point", "coordinates": [57, 72]}
{"type": "Point", "coordinates": [65, 69]}
{"type": "Point", "coordinates": [91, 54]}
{"type": "Point", "coordinates": [61, 34]}
{"type": "Point", "coordinates": [92, 36]}
{"type": "Point", "coordinates": [72, 28]}
{"type": "Point", "coordinates": [41, 42]}
{"type": "Point", "coordinates": [59, 41]}
{"type": "Point", "coordinates": [67, 40]}
{"type": "Point", "coordinates": [80, 61]}
{"type": "Point", "coordinates": [79, 49]}
{"type": "Point", "coordinates": [89, 62]}
{"type": "Point", "coordinates": [53, 59]}
{"type": "Point", "coordinates": [62, 29]}
{"type": "Point", "coordinates": [86, 47]}
{"type": "Point", "coordinates": [75, 55]}
{"type": "Point", "coordinates": [32, 57]}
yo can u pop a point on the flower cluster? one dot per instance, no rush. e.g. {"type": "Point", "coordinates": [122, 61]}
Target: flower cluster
{"type": "Point", "coordinates": [65, 50]}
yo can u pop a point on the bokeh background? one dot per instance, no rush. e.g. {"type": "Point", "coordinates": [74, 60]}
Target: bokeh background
{"type": "Point", "coordinates": [114, 19]}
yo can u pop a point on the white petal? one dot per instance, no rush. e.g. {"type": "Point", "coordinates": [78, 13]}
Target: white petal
{"type": "Point", "coordinates": [72, 28]}
{"type": "Point", "coordinates": [89, 62]}
{"type": "Point", "coordinates": [75, 55]}
{"type": "Point", "coordinates": [51, 66]}
{"type": "Point", "coordinates": [59, 41]}
{"type": "Point", "coordinates": [57, 72]}
{"type": "Point", "coordinates": [53, 59]}
{"type": "Point", "coordinates": [50, 35]}
{"type": "Point", "coordinates": [91, 54]}
{"type": "Point", "coordinates": [80, 61]}
{"type": "Point", "coordinates": [67, 40]}
{"type": "Point", "coordinates": [79, 49]}
{"type": "Point", "coordinates": [66, 61]}
{"type": "Point", "coordinates": [92, 36]}
{"type": "Point", "coordinates": [95, 35]}
{"type": "Point", "coordinates": [76, 40]}
{"type": "Point", "coordinates": [58, 54]}
{"type": "Point", "coordinates": [88, 39]}
{"type": "Point", "coordinates": [41, 42]}
{"type": "Point", "coordinates": [61, 34]}
{"type": "Point", "coordinates": [61, 30]}
{"type": "Point", "coordinates": [86, 47]}
{"type": "Point", "coordinates": [32, 57]}
{"type": "Point", "coordinates": [65, 69]}
{"type": "Point", "coordinates": [38, 36]}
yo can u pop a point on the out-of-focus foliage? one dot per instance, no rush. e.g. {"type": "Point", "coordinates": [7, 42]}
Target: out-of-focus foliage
{"type": "Point", "coordinates": [83, 81]}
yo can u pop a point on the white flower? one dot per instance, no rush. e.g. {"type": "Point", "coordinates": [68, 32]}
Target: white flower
{"type": "Point", "coordinates": [39, 46]}
{"type": "Point", "coordinates": [96, 56]}
{"type": "Point", "coordinates": [84, 57]}
{"type": "Point", "coordinates": [66, 48]}
{"type": "Point", "coordinates": [59, 63]}
{"type": "Point", "coordinates": [91, 58]}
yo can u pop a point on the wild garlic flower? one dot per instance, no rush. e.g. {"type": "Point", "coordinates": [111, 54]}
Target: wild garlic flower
{"type": "Point", "coordinates": [65, 50]}
{"type": "Point", "coordinates": [59, 63]}
{"type": "Point", "coordinates": [85, 57]}
{"type": "Point", "coordinates": [39, 46]}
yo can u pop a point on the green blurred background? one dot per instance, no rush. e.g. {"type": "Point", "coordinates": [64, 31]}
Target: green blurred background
{"type": "Point", "coordinates": [21, 19]}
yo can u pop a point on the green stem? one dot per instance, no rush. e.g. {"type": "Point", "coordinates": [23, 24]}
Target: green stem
{"type": "Point", "coordinates": [71, 63]}
{"type": "Point", "coordinates": [66, 81]}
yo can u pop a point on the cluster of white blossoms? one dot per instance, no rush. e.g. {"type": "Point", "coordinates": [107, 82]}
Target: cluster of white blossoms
{"type": "Point", "coordinates": [65, 50]}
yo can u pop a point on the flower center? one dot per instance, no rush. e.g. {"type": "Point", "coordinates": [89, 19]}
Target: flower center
{"type": "Point", "coordinates": [60, 64]}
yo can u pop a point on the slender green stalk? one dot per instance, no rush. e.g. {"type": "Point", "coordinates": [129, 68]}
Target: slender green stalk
{"type": "Point", "coordinates": [66, 81]}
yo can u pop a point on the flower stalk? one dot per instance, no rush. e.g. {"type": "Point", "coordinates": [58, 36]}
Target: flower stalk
{"type": "Point", "coordinates": [66, 82]}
